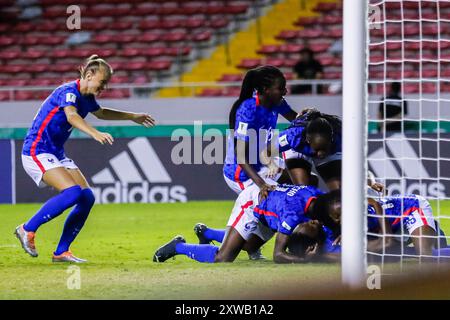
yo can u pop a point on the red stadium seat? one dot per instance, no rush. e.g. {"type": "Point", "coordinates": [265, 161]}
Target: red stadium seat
{"type": "Point", "coordinates": [249, 63]}
{"type": "Point", "coordinates": [269, 49]}
{"type": "Point", "coordinates": [148, 37]}
{"type": "Point", "coordinates": [7, 55]}
{"type": "Point", "coordinates": [211, 92]}
{"type": "Point", "coordinates": [152, 51]}
{"type": "Point", "coordinates": [287, 35]}
{"type": "Point", "coordinates": [306, 21]}
{"type": "Point", "coordinates": [231, 77]}
{"type": "Point", "coordinates": [115, 94]}
{"type": "Point", "coordinates": [5, 96]}
{"type": "Point", "coordinates": [159, 65]}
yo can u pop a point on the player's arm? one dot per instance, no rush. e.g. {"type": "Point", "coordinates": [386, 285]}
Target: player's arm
{"type": "Point", "coordinates": [112, 114]}
{"type": "Point", "coordinates": [78, 122]}
{"type": "Point", "coordinates": [242, 149]}
{"type": "Point", "coordinates": [280, 255]}
{"type": "Point", "coordinates": [385, 241]}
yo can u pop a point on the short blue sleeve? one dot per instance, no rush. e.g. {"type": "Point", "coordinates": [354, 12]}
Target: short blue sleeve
{"type": "Point", "coordinates": [288, 222]}
{"type": "Point", "coordinates": [245, 121]}
{"type": "Point", "coordinates": [283, 108]}
{"type": "Point", "coordinates": [290, 138]}
{"type": "Point", "coordinates": [69, 97]}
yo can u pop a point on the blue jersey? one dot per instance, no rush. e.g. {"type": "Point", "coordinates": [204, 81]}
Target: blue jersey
{"type": "Point", "coordinates": [394, 208]}
{"type": "Point", "coordinates": [294, 138]}
{"type": "Point", "coordinates": [251, 121]}
{"type": "Point", "coordinates": [285, 207]}
{"type": "Point", "coordinates": [327, 246]}
{"type": "Point", "coordinates": [50, 128]}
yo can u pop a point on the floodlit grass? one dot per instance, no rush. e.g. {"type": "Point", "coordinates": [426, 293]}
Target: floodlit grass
{"type": "Point", "coordinates": [119, 241]}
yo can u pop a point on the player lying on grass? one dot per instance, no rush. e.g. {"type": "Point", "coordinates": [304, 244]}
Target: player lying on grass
{"type": "Point", "coordinates": [254, 221]}
{"type": "Point", "coordinates": [307, 238]}
{"type": "Point", "coordinates": [404, 219]}
{"type": "Point", "coordinates": [45, 161]}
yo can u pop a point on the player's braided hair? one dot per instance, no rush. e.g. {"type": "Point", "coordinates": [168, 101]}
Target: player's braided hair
{"type": "Point", "coordinates": [323, 205]}
{"type": "Point", "coordinates": [94, 63]}
{"type": "Point", "coordinates": [255, 79]}
{"type": "Point", "coordinates": [316, 122]}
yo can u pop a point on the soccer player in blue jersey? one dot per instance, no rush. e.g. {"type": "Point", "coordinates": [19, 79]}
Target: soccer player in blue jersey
{"type": "Point", "coordinates": [403, 219]}
{"type": "Point", "coordinates": [255, 220]}
{"type": "Point", "coordinates": [45, 161]}
{"type": "Point", "coordinates": [253, 117]}
{"type": "Point", "coordinates": [313, 139]}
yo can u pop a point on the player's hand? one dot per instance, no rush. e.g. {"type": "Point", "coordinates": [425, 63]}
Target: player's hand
{"type": "Point", "coordinates": [312, 251]}
{"type": "Point", "coordinates": [272, 170]}
{"type": "Point", "coordinates": [103, 137]}
{"type": "Point", "coordinates": [306, 110]}
{"type": "Point", "coordinates": [379, 187]}
{"type": "Point", "coordinates": [264, 190]}
{"type": "Point", "coordinates": [337, 241]}
{"type": "Point", "coordinates": [145, 119]}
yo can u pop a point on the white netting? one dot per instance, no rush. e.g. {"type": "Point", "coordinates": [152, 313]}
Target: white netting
{"type": "Point", "coordinates": [409, 152]}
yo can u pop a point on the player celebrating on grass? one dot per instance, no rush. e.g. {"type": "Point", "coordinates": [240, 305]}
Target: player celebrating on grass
{"type": "Point", "coordinates": [402, 218]}
{"type": "Point", "coordinates": [254, 221]}
{"type": "Point", "coordinates": [45, 161]}
{"type": "Point", "coordinates": [256, 111]}
{"type": "Point", "coordinates": [313, 139]}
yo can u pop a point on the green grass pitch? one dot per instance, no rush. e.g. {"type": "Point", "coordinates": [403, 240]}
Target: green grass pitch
{"type": "Point", "coordinates": [119, 241]}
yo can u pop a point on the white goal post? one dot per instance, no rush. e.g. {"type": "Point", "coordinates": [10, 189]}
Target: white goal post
{"type": "Point", "coordinates": [354, 132]}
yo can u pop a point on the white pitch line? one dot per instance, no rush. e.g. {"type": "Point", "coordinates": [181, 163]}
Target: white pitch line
{"type": "Point", "coordinates": [9, 245]}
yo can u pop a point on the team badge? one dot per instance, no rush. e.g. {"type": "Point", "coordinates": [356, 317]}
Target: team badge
{"type": "Point", "coordinates": [70, 97]}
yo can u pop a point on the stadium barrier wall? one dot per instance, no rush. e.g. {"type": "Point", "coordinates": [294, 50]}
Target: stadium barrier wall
{"type": "Point", "coordinates": [141, 169]}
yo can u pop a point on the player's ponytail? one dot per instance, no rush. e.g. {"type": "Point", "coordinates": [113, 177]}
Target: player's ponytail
{"type": "Point", "coordinates": [257, 79]}
{"type": "Point", "coordinates": [95, 63]}
{"type": "Point", "coordinates": [247, 88]}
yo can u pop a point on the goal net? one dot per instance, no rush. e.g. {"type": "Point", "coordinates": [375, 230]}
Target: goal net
{"type": "Point", "coordinates": [408, 144]}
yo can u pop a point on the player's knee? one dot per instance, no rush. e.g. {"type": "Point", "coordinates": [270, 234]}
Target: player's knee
{"type": "Point", "coordinates": [72, 194]}
{"type": "Point", "coordinates": [88, 197]}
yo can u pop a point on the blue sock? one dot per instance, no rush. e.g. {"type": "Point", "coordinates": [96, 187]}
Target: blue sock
{"type": "Point", "coordinates": [443, 252]}
{"type": "Point", "coordinates": [54, 207]}
{"type": "Point", "coordinates": [199, 252]}
{"type": "Point", "coordinates": [215, 234]}
{"type": "Point", "coordinates": [75, 220]}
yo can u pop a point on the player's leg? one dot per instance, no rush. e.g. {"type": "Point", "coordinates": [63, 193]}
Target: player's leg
{"type": "Point", "coordinates": [69, 195]}
{"type": "Point", "coordinates": [299, 167]}
{"type": "Point", "coordinates": [45, 169]}
{"type": "Point", "coordinates": [79, 214]}
{"type": "Point", "coordinates": [424, 239]}
{"type": "Point", "coordinates": [206, 235]}
{"type": "Point", "coordinates": [331, 174]}
{"type": "Point", "coordinates": [232, 245]}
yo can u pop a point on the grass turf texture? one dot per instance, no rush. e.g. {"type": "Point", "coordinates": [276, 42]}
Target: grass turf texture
{"type": "Point", "coordinates": [119, 241]}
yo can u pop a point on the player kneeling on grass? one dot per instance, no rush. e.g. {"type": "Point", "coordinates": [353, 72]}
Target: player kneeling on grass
{"type": "Point", "coordinates": [404, 218]}
{"type": "Point", "coordinates": [254, 221]}
{"type": "Point", "coordinates": [45, 161]}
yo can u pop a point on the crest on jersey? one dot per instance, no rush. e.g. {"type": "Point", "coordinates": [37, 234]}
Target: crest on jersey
{"type": "Point", "coordinates": [283, 140]}
{"type": "Point", "coordinates": [242, 129]}
{"type": "Point", "coordinates": [70, 97]}
{"type": "Point", "coordinates": [286, 226]}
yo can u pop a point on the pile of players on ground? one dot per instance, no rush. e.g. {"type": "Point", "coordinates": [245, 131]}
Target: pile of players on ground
{"type": "Point", "coordinates": [280, 195]}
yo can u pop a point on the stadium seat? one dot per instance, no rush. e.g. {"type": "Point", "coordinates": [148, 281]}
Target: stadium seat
{"type": "Point", "coordinates": [249, 63]}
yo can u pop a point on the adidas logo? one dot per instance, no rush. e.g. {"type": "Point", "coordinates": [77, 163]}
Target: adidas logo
{"type": "Point", "coordinates": [133, 180]}
{"type": "Point", "coordinates": [399, 162]}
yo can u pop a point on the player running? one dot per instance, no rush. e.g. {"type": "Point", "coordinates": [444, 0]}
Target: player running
{"type": "Point", "coordinates": [45, 161]}
{"type": "Point", "coordinates": [254, 114]}
{"type": "Point", "coordinates": [254, 221]}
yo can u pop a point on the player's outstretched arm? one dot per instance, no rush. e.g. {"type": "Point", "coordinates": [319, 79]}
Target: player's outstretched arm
{"type": "Point", "coordinates": [385, 241]}
{"type": "Point", "coordinates": [111, 114]}
{"type": "Point", "coordinates": [78, 122]}
{"type": "Point", "coordinates": [280, 255]}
